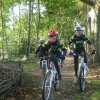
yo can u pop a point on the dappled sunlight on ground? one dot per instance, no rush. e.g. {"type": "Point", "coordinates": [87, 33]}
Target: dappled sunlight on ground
{"type": "Point", "coordinates": [33, 82]}
{"type": "Point", "coordinates": [94, 72]}
{"type": "Point", "coordinates": [68, 74]}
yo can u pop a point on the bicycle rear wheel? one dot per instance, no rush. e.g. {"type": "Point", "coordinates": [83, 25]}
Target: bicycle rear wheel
{"type": "Point", "coordinates": [82, 82]}
{"type": "Point", "coordinates": [47, 86]}
{"type": "Point", "coordinates": [56, 82]}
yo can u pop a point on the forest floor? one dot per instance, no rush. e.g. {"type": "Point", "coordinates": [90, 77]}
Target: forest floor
{"type": "Point", "coordinates": [33, 81]}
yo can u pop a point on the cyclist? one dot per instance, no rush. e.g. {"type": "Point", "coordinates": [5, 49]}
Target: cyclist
{"type": "Point", "coordinates": [55, 47]}
{"type": "Point", "coordinates": [40, 50]}
{"type": "Point", "coordinates": [78, 40]}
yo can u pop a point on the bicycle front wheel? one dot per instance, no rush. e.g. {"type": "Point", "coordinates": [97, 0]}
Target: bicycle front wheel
{"type": "Point", "coordinates": [47, 87]}
{"type": "Point", "coordinates": [82, 82]}
{"type": "Point", "coordinates": [44, 69]}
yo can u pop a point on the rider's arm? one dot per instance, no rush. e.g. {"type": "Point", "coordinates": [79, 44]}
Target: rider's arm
{"type": "Point", "coordinates": [71, 45]}
{"type": "Point", "coordinates": [86, 39]}
{"type": "Point", "coordinates": [90, 43]}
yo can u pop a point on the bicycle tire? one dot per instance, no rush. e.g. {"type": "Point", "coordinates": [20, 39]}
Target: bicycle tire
{"type": "Point", "coordinates": [44, 69]}
{"type": "Point", "coordinates": [47, 87]}
{"type": "Point", "coordinates": [57, 82]}
{"type": "Point", "coordinates": [82, 82]}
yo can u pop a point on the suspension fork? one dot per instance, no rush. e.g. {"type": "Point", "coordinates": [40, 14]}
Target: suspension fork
{"type": "Point", "coordinates": [79, 67]}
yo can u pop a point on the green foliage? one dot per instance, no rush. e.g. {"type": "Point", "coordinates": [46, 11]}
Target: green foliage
{"type": "Point", "coordinates": [57, 14]}
{"type": "Point", "coordinates": [94, 93]}
{"type": "Point", "coordinates": [23, 47]}
{"type": "Point", "coordinates": [95, 85]}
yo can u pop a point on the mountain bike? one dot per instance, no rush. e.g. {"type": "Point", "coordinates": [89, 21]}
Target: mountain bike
{"type": "Point", "coordinates": [82, 70]}
{"type": "Point", "coordinates": [51, 79]}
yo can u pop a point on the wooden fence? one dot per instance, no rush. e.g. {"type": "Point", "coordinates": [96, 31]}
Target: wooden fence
{"type": "Point", "coordinates": [11, 76]}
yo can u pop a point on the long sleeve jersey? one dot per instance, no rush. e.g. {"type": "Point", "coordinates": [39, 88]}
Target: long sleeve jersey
{"type": "Point", "coordinates": [55, 48]}
{"type": "Point", "coordinates": [79, 41]}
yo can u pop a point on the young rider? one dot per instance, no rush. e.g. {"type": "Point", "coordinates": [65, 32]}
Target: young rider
{"type": "Point", "coordinates": [40, 52]}
{"type": "Point", "coordinates": [78, 40]}
{"type": "Point", "coordinates": [55, 48]}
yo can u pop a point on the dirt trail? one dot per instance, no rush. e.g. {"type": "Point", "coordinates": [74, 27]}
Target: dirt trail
{"type": "Point", "coordinates": [32, 88]}
{"type": "Point", "coordinates": [68, 90]}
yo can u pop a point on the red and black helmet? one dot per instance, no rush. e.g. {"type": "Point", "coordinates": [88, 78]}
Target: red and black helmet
{"type": "Point", "coordinates": [53, 32]}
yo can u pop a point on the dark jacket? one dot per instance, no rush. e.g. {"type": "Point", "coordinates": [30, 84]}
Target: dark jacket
{"type": "Point", "coordinates": [79, 41]}
{"type": "Point", "coordinates": [40, 51]}
{"type": "Point", "coordinates": [55, 48]}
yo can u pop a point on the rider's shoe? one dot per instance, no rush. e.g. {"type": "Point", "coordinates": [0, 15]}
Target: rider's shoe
{"type": "Point", "coordinates": [75, 79]}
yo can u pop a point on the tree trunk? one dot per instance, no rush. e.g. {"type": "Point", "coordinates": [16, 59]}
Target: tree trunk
{"type": "Point", "coordinates": [2, 18]}
{"type": "Point", "coordinates": [98, 37]}
{"type": "Point", "coordinates": [29, 31]}
{"type": "Point", "coordinates": [19, 35]}
{"type": "Point", "coordinates": [38, 19]}
{"type": "Point", "coordinates": [4, 36]}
